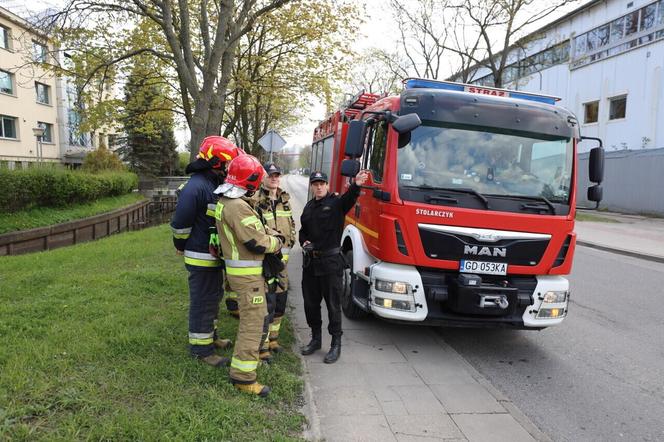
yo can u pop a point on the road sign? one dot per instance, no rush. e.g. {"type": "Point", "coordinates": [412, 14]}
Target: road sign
{"type": "Point", "coordinates": [272, 142]}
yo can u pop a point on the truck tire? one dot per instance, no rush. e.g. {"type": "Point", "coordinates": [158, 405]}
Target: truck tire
{"type": "Point", "coordinates": [350, 308]}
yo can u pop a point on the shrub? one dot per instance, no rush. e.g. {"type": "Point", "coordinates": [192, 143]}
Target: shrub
{"type": "Point", "coordinates": [101, 160]}
{"type": "Point", "coordinates": [22, 189]}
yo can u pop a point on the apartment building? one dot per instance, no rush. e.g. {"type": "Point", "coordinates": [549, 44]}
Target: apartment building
{"type": "Point", "coordinates": [28, 98]}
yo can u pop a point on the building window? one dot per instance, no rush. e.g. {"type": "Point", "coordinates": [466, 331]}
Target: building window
{"type": "Point", "coordinates": [591, 112]}
{"type": "Point", "coordinates": [6, 82]}
{"type": "Point", "coordinates": [40, 52]}
{"type": "Point", "coordinates": [7, 127]}
{"type": "Point", "coordinates": [48, 131]}
{"type": "Point", "coordinates": [617, 107]}
{"type": "Point", "coordinates": [43, 93]}
{"type": "Point", "coordinates": [4, 37]}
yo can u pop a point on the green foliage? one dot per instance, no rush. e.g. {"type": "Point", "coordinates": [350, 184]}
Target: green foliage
{"type": "Point", "coordinates": [22, 189]}
{"type": "Point", "coordinates": [46, 216]}
{"type": "Point", "coordinates": [102, 160]}
{"type": "Point", "coordinates": [183, 160]}
{"type": "Point", "coordinates": [149, 147]}
{"type": "Point", "coordinates": [95, 348]}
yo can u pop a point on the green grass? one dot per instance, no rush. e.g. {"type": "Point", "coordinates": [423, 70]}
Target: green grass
{"type": "Point", "coordinates": [582, 216]}
{"type": "Point", "coordinates": [94, 346]}
{"type": "Point", "coordinates": [46, 216]}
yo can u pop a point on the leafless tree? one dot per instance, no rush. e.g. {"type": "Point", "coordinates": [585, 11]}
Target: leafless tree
{"type": "Point", "coordinates": [500, 26]}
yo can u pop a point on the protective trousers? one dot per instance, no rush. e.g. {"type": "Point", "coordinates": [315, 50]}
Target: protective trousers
{"type": "Point", "coordinates": [314, 290]}
{"type": "Point", "coordinates": [231, 300]}
{"type": "Point", "coordinates": [205, 293]}
{"type": "Point", "coordinates": [253, 327]}
{"type": "Point", "coordinates": [279, 311]}
{"type": "Point", "coordinates": [271, 307]}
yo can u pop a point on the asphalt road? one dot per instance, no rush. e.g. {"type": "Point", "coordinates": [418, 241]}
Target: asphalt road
{"type": "Point", "coordinates": [599, 376]}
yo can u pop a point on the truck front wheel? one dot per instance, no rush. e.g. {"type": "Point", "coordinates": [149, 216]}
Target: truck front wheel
{"type": "Point", "coordinates": [350, 308]}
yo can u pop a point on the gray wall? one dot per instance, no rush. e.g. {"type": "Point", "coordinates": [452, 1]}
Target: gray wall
{"type": "Point", "coordinates": [633, 181]}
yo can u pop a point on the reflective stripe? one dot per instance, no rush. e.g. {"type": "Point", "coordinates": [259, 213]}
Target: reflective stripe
{"type": "Point", "coordinates": [284, 213]}
{"type": "Point", "coordinates": [211, 210]}
{"type": "Point", "coordinates": [268, 216]}
{"type": "Point", "coordinates": [284, 258]}
{"type": "Point", "coordinates": [274, 243]}
{"type": "Point", "coordinates": [285, 250]}
{"type": "Point", "coordinates": [275, 326]}
{"type": "Point", "coordinates": [231, 240]}
{"type": "Point", "coordinates": [246, 366]}
{"type": "Point", "coordinates": [180, 235]}
{"type": "Point", "coordinates": [244, 271]}
{"type": "Point", "coordinates": [217, 211]}
{"type": "Point", "coordinates": [186, 230]}
{"type": "Point", "coordinates": [243, 263]}
{"type": "Point", "coordinates": [249, 220]}
{"type": "Point", "coordinates": [201, 338]}
{"type": "Point", "coordinates": [231, 295]}
{"type": "Point", "coordinates": [201, 262]}
{"type": "Point", "coordinates": [199, 255]}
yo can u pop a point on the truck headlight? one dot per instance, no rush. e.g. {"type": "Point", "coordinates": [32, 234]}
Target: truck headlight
{"type": "Point", "coordinates": [555, 297]}
{"type": "Point", "coordinates": [551, 313]}
{"type": "Point", "coordinates": [393, 304]}
{"type": "Point", "coordinates": [401, 288]}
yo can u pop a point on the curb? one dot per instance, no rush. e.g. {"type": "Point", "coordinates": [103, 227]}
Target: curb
{"type": "Point", "coordinates": [624, 252]}
{"type": "Point", "coordinates": [503, 400]}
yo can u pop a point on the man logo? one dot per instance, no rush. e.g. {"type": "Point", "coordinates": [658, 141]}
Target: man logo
{"type": "Point", "coordinates": [485, 251]}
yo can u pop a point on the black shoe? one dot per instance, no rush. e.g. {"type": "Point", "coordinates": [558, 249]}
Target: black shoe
{"type": "Point", "coordinates": [335, 351]}
{"type": "Point", "coordinates": [313, 345]}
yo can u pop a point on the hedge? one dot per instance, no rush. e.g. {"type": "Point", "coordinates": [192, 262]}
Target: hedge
{"type": "Point", "coordinates": [22, 189]}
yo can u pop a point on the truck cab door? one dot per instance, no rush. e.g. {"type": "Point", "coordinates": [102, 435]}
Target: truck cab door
{"type": "Point", "coordinates": [369, 205]}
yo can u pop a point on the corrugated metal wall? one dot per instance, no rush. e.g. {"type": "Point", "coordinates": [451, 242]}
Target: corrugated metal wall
{"type": "Point", "coordinates": [633, 181]}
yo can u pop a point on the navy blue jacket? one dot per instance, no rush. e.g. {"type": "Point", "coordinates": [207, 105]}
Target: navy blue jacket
{"type": "Point", "coordinates": [193, 218]}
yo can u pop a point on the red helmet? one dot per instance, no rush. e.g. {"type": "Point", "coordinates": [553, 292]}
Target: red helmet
{"type": "Point", "coordinates": [218, 150]}
{"type": "Point", "coordinates": [246, 172]}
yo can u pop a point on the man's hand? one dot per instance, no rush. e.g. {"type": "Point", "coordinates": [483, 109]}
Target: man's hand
{"type": "Point", "coordinates": [306, 243]}
{"type": "Point", "coordinates": [179, 252]}
{"type": "Point", "coordinates": [361, 177]}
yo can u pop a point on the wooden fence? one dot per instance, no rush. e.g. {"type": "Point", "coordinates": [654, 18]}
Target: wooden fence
{"type": "Point", "coordinates": [74, 232]}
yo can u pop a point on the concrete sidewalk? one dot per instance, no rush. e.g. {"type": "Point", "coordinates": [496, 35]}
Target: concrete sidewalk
{"type": "Point", "coordinates": [396, 383]}
{"type": "Point", "coordinates": [632, 235]}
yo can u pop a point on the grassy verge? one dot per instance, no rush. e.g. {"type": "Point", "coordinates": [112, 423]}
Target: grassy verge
{"type": "Point", "coordinates": [94, 346]}
{"type": "Point", "coordinates": [582, 216]}
{"type": "Point", "coordinates": [46, 216]}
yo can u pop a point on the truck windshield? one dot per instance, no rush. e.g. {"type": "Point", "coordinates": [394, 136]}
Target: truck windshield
{"type": "Point", "coordinates": [488, 162]}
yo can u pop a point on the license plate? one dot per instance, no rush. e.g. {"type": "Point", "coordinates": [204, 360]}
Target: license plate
{"type": "Point", "coordinates": [486, 268]}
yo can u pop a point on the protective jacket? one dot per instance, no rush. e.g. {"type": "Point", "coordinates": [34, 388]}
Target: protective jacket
{"type": "Point", "coordinates": [278, 215]}
{"type": "Point", "coordinates": [322, 224]}
{"type": "Point", "coordinates": [244, 241]}
{"type": "Point", "coordinates": [193, 218]}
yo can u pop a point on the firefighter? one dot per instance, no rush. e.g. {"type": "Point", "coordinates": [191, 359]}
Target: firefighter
{"type": "Point", "coordinates": [322, 223]}
{"type": "Point", "coordinates": [245, 241]}
{"type": "Point", "coordinates": [275, 207]}
{"type": "Point", "coordinates": [192, 225]}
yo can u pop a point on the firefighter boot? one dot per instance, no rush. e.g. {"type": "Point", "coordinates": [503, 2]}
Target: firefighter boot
{"type": "Point", "coordinates": [275, 347]}
{"type": "Point", "coordinates": [335, 351]}
{"type": "Point", "coordinates": [265, 355]}
{"type": "Point", "coordinates": [216, 360]}
{"type": "Point", "coordinates": [314, 344]}
{"type": "Point", "coordinates": [222, 344]}
{"type": "Point", "coordinates": [255, 388]}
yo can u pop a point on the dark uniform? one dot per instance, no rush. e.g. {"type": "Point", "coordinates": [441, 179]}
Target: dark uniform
{"type": "Point", "coordinates": [191, 223]}
{"type": "Point", "coordinates": [322, 224]}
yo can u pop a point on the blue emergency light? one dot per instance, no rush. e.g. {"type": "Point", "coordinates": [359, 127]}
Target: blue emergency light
{"type": "Point", "coordinates": [421, 83]}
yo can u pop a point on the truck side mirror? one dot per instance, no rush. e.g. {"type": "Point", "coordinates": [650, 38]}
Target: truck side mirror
{"type": "Point", "coordinates": [596, 165]}
{"type": "Point", "coordinates": [350, 168]}
{"type": "Point", "coordinates": [595, 193]}
{"type": "Point", "coordinates": [406, 123]}
{"type": "Point", "coordinates": [355, 139]}
{"type": "Point", "coordinates": [595, 161]}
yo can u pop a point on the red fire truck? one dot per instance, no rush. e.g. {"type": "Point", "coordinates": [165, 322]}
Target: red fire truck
{"type": "Point", "coordinates": [467, 218]}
